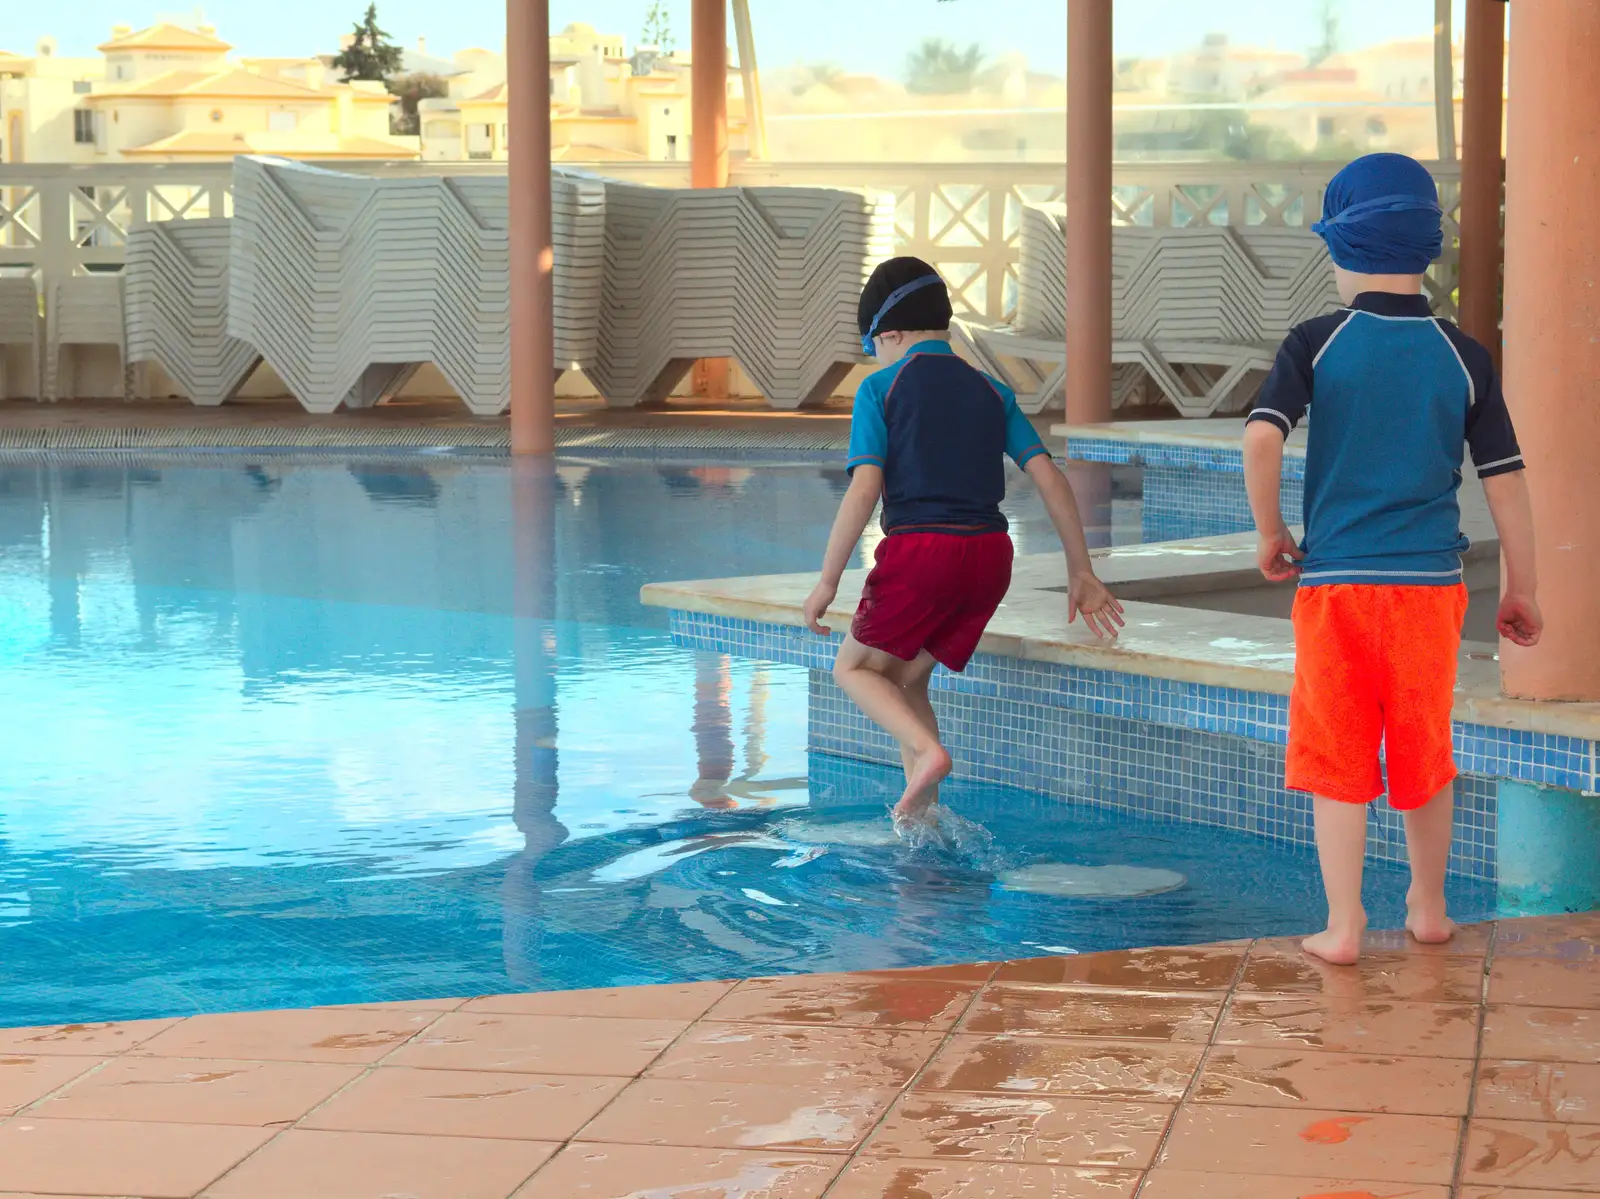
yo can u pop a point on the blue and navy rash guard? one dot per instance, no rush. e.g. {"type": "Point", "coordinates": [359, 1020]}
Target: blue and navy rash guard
{"type": "Point", "coordinates": [1397, 392]}
{"type": "Point", "coordinates": [940, 429]}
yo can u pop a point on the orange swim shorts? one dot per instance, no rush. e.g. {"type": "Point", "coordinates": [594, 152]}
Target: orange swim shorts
{"type": "Point", "coordinates": [1374, 665]}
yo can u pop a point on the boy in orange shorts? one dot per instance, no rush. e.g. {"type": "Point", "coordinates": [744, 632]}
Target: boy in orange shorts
{"type": "Point", "coordinates": [1397, 394]}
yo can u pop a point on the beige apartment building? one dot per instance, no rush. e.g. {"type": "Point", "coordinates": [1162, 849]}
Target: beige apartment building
{"type": "Point", "coordinates": [172, 94]}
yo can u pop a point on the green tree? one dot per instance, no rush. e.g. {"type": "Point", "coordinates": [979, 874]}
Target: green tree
{"type": "Point", "coordinates": [658, 28]}
{"type": "Point", "coordinates": [370, 54]}
{"type": "Point", "coordinates": [410, 90]}
{"type": "Point", "coordinates": [1328, 18]}
{"type": "Point", "coordinates": [938, 67]}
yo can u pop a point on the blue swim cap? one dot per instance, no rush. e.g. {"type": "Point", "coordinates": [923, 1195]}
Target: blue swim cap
{"type": "Point", "coordinates": [1381, 216]}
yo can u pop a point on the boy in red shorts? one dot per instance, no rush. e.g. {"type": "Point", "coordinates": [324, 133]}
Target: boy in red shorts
{"type": "Point", "coordinates": [1397, 393]}
{"type": "Point", "coordinates": [929, 435]}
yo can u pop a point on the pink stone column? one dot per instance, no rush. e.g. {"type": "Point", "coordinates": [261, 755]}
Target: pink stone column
{"type": "Point", "coordinates": [1089, 147]}
{"type": "Point", "coordinates": [1552, 327]}
{"type": "Point", "coordinates": [533, 338]}
{"type": "Point", "coordinates": [1482, 170]}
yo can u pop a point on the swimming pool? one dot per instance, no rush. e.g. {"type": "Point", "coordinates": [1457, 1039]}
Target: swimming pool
{"type": "Point", "coordinates": [292, 731]}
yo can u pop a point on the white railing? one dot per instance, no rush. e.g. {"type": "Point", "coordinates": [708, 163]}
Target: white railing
{"type": "Point", "coordinates": [964, 218]}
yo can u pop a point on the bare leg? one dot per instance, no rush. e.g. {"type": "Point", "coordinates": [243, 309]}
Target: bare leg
{"type": "Point", "coordinates": [913, 678]}
{"type": "Point", "coordinates": [871, 678]}
{"type": "Point", "coordinates": [1342, 850]}
{"type": "Point", "coordinates": [1428, 831]}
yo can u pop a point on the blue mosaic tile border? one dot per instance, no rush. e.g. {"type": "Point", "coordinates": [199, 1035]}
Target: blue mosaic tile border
{"type": "Point", "coordinates": [1182, 503]}
{"type": "Point", "coordinates": [1158, 454]}
{"type": "Point", "coordinates": [1017, 722]}
{"type": "Point", "coordinates": [1158, 772]}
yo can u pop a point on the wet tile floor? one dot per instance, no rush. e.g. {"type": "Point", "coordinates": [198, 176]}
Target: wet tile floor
{"type": "Point", "coordinates": [1238, 1071]}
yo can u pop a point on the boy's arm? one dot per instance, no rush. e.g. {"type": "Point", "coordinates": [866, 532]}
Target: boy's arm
{"type": "Point", "coordinates": [1519, 619]}
{"type": "Point", "coordinates": [855, 510]}
{"type": "Point", "coordinates": [1276, 554]}
{"type": "Point", "coordinates": [1498, 459]}
{"type": "Point", "coordinates": [1085, 592]}
{"type": "Point", "coordinates": [1284, 397]}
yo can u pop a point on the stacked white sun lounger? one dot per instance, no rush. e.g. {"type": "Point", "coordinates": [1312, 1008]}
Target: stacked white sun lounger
{"type": "Point", "coordinates": [20, 325]}
{"type": "Point", "coordinates": [1197, 312]}
{"type": "Point", "coordinates": [768, 276]}
{"type": "Point", "coordinates": [176, 292]}
{"type": "Point", "coordinates": [346, 284]}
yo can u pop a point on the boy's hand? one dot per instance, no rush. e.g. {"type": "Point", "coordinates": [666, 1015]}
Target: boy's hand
{"type": "Point", "coordinates": [1278, 556]}
{"type": "Point", "coordinates": [816, 606]}
{"type": "Point", "coordinates": [1519, 620]}
{"type": "Point", "coordinates": [1088, 596]}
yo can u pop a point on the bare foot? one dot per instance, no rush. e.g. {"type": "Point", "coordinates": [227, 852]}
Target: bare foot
{"type": "Point", "coordinates": [1336, 947]}
{"type": "Point", "coordinates": [930, 769]}
{"type": "Point", "coordinates": [1429, 924]}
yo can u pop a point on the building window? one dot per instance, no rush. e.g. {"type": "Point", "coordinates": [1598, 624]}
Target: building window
{"type": "Point", "coordinates": [1376, 126]}
{"type": "Point", "coordinates": [672, 147]}
{"type": "Point", "coordinates": [281, 122]}
{"type": "Point", "coordinates": [1324, 126]}
{"type": "Point", "coordinates": [83, 126]}
{"type": "Point", "coordinates": [82, 87]}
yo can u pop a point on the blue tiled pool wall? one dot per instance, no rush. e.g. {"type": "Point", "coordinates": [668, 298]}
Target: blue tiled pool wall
{"type": "Point", "coordinates": [1181, 503]}
{"type": "Point", "coordinates": [1157, 455]}
{"type": "Point", "coordinates": [1180, 750]}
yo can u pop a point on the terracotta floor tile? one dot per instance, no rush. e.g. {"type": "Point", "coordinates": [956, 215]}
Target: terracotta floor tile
{"type": "Point", "coordinates": [192, 1091]}
{"type": "Point", "coordinates": [154, 1161]}
{"type": "Point", "coordinates": [368, 1165]}
{"type": "Point", "coordinates": [1040, 1129]}
{"type": "Point", "coordinates": [1548, 982]}
{"type": "Point", "coordinates": [1196, 969]}
{"type": "Point", "coordinates": [1553, 1034]}
{"type": "Point", "coordinates": [24, 1080]}
{"type": "Point", "coordinates": [1574, 936]}
{"type": "Point", "coordinates": [1527, 1154]}
{"type": "Point", "coordinates": [1125, 1015]}
{"type": "Point", "coordinates": [587, 1045]}
{"type": "Point", "coordinates": [977, 973]}
{"type": "Point", "coordinates": [467, 1103]}
{"type": "Point", "coordinates": [1351, 1082]}
{"type": "Point", "coordinates": [790, 1054]}
{"type": "Point", "coordinates": [399, 1005]}
{"type": "Point", "coordinates": [854, 1001]}
{"type": "Point", "coordinates": [1471, 940]}
{"type": "Point", "coordinates": [1497, 1192]}
{"type": "Point", "coordinates": [1312, 1144]}
{"type": "Point", "coordinates": [1561, 1092]}
{"type": "Point", "coordinates": [685, 1001]}
{"type": "Point", "coordinates": [1353, 1026]}
{"type": "Point", "coordinates": [741, 1115]}
{"type": "Point", "coordinates": [1090, 1069]}
{"type": "Point", "coordinates": [585, 1171]}
{"type": "Point", "coordinates": [84, 1040]}
{"type": "Point", "coordinates": [350, 1035]}
{"type": "Point", "coordinates": [1185, 1184]}
{"type": "Point", "coordinates": [880, 1178]}
{"type": "Point", "coordinates": [1379, 976]}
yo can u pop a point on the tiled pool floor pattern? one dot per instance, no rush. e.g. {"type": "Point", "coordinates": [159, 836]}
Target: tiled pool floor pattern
{"type": "Point", "coordinates": [1233, 1071]}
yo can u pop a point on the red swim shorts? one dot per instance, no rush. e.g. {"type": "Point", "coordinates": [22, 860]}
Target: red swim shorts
{"type": "Point", "coordinates": [934, 592]}
{"type": "Point", "coordinates": [1374, 664]}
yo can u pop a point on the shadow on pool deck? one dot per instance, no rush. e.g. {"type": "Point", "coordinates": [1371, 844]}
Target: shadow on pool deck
{"type": "Point", "coordinates": [1236, 1071]}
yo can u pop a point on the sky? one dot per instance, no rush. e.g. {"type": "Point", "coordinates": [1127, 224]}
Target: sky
{"type": "Point", "coordinates": [866, 37]}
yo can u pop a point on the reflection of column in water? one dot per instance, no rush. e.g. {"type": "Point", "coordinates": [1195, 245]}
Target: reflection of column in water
{"type": "Point", "coordinates": [1091, 483]}
{"type": "Point", "coordinates": [713, 730]}
{"type": "Point", "coordinates": [65, 560]}
{"type": "Point", "coordinates": [535, 790]}
{"type": "Point", "coordinates": [755, 728]}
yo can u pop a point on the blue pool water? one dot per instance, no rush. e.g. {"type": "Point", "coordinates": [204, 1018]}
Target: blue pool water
{"type": "Point", "coordinates": [287, 732]}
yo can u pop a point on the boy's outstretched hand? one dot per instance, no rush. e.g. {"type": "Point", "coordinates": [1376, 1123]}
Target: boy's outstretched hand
{"type": "Point", "coordinates": [816, 606]}
{"type": "Point", "coordinates": [1088, 596]}
{"type": "Point", "coordinates": [1519, 619]}
{"type": "Point", "coordinates": [1278, 556]}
